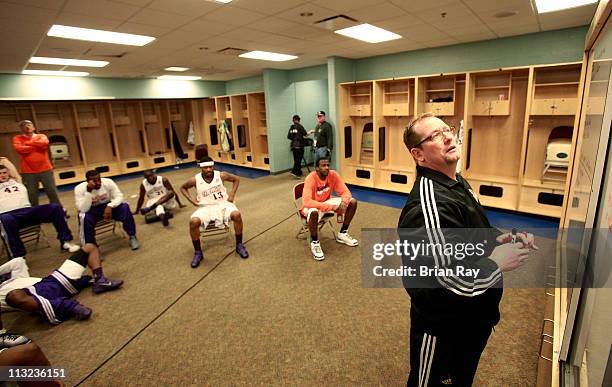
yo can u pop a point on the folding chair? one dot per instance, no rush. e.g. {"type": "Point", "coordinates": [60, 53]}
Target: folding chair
{"type": "Point", "coordinates": [211, 230]}
{"type": "Point", "coordinates": [29, 236]}
{"type": "Point", "coordinates": [102, 227]}
{"type": "Point", "coordinates": [327, 218]}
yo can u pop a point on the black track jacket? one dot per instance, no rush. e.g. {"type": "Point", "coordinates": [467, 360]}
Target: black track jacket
{"type": "Point", "coordinates": [438, 204]}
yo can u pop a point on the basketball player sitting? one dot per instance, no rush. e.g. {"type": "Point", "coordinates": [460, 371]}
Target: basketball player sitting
{"type": "Point", "coordinates": [160, 197]}
{"type": "Point", "coordinates": [215, 205]}
{"type": "Point", "coordinates": [16, 213]}
{"type": "Point", "coordinates": [317, 200]}
{"type": "Point", "coordinates": [51, 296]}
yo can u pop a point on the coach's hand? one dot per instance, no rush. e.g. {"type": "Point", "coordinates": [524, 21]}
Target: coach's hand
{"type": "Point", "coordinates": [509, 256]}
{"type": "Point", "coordinates": [527, 239]}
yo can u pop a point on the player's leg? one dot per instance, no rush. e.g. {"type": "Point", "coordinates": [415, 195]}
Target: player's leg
{"type": "Point", "coordinates": [9, 229]}
{"type": "Point", "coordinates": [74, 268]}
{"type": "Point", "coordinates": [312, 218]}
{"type": "Point", "coordinates": [123, 214]}
{"type": "Point", "coordinates": [54, 213]}
{"type": "Point", "coordinates": [236, 217]}
{"type": "Point", "coordinates": [194, 232]}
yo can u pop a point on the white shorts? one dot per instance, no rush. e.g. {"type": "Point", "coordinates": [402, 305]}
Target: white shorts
{"type": "Point", "coordinates": [217, 213]}
{"type": "Point", "coordinates": [169, 205]}
{"type": "Point", "coordinates": [333, 202]}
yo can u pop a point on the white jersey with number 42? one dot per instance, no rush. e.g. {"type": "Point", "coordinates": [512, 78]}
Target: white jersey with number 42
{"type": "Point", "coordinates": [210, 193]}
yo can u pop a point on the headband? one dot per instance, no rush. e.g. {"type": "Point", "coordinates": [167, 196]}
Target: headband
{"type": "Point", "coordinates": [206, 164]}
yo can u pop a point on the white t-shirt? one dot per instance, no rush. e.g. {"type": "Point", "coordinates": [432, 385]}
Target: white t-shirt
{"type": "Point", "coordinates": [108, 194]}
{"type": "Point", "coordinates": [212, 193]}
{"type": "Point", "coordinates": [13, 195]}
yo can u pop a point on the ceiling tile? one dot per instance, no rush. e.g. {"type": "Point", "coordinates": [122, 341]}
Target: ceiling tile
{"type": "Point", "coordinates": [161, 19]}
{"type": "Point", "coordinates": [63, 48]}
{"type": "Point", "coordinates": [101, 8]}
{"type": "Point", "coordinates": [76, 20]}
{"type": "Point", "coordinates": [347, 6]}
{"type": "Point", "coordinates": [271, 24]}
{"type": "Point", "coordinates": [193, 8]}
{"type": "Point", "coordinates": [569, 18]}
{"type": "Point", "coordinates": [318, 13]}
{"type": "Point", "coordinates": [503, 31]}
{"type": "Point", "coordinates": [496, 6]}
{"type": "Point", "coordinates": [236, 15]}
{"type": "Point", "coordinates": [440, 42]}
{"type": "Point", "coordinates": [376, 13]}
{"type": "Point", "coordinates": [144, 29]}
{"type": "Point", "coordinates": [268, 7]}
{"type": "Point", "coordinates": [414, 6]}
{"type": "Point", "coordinates": [209, 26]}
{"type": "Point", "coordinates": [32, 15]}
{"type": "Point", "coordinates": [474, 37]}
{"type": "Point", "coordinates": [47, 4]}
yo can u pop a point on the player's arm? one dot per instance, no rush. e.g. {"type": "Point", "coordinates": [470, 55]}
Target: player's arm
{"type": "Point", "coordinates": [13, 174]}
{"type": "Point", "coordinates": [235, 183]}
{"type": "Point", "coordinates": [169, 195]}
{"type": "Point", "coordinates": [170, 189]}
{"type": "Point", "coordinates": [185, 190]}
{"type": "Point", "coordinates": [141, 196]}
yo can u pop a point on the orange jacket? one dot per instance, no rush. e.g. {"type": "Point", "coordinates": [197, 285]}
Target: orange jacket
{"type": "Point", "coordinates": [316, 191]}
{"type": "Point", "coordinates": [34, 152]}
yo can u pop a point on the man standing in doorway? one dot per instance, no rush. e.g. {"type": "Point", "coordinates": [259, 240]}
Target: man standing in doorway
{"type": "Point", "coordinates": [324, 137]}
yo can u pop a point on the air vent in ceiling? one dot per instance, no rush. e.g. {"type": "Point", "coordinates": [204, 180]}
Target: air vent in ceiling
{"type": "Point", "coordinates": [337, 22]}
{"type": "Point", "coordinates": [231, 51]}
{"type": "Point", "coordinates": [106, 53]}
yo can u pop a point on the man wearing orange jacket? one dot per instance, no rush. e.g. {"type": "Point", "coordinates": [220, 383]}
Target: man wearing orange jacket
{"type": "Point", "coordinates": [317, 201]}
{"type": "Point", "coordinates": [35, 165]}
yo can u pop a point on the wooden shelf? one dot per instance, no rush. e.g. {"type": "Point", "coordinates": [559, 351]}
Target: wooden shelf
{"type": "Point", "coordinates": [556, 84]}
{"type": "Point", "coordinates": [492, 87]}
{"type": "Point", "coordinates": [439, 90]}
{"type": "Point", "coordinates": [491, 178]}
{"type": "Point", "coordinates": [360, 95]}
{"type": "Point", "coordinates": [547, 185]}
{"type": "Point", "coordinates": [397, 93]}
{"type": "Point", "coordinates": [406, 169]}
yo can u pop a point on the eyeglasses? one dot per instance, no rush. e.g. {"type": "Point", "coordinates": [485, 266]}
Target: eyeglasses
{"type": "Point", "coordinates": [438, 135]}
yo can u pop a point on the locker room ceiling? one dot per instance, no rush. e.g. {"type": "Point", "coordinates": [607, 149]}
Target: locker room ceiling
{"type": "Point", "coordinates": [190, 32]}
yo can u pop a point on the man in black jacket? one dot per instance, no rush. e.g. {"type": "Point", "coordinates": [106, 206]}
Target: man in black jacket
{"type": "Point", "coordinates": [452, 313]}
{"type": "Point", "coordinates": [296, 135]}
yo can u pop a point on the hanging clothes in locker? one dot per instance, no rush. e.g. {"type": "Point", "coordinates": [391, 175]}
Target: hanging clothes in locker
{"type": "Point", "coordinates": [191, 134]}
{"type": "Point", "coordinates": [178, 148]}
{"type": "Point", "coordinates": [225, 136]}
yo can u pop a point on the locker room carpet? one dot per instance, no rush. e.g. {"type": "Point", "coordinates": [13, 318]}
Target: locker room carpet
{"type": "Point", "coordinates": [277, 318]}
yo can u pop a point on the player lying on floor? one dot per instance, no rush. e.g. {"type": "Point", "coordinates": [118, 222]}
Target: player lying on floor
{"type": "Point", "coordinates": [52, 296]}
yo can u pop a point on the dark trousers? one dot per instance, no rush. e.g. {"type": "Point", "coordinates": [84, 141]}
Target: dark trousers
{"type": "Point", "coordinates": [298, 155]}
{"type": "Point", "coordinates": [447, 359]}
{"type": "Point", "coordinates": [95, 214]}
{"type": "Point", "coordinates": [12, 221]}
{"type": "Point", "coordinates": [30, 180]}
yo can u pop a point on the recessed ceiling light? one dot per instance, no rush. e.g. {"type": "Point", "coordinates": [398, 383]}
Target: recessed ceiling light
{"type": "Point", "coordinates": [264, 55]}
{"type": "Point", "coordinates": [368, 33]}
{"type": "Point", "coordinates": [223, 1]}
{"type": "Point", "coordinates": [98, 35]}
{"type": "Point", "coordinates": [545, 6]}
{"type": "Point", "coordinates": [179, 77]}
{"type": "Point", "coordinates": [68, 62]}
{"type": "Point", "coordinates": [174, 68]}
{"type": "Point", "coordinates": [58, 73]}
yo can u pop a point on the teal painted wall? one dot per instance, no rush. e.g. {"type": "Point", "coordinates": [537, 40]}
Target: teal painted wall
{"type": "Point", "coordinates": [30, 87]}
{"type": "Point", "coordinates": [244, 85]}
{"type": "Point", "coordinates": [284, 98]}
{"type": "Point", "coordinates": [310, 97]}
{"type": "Point", "coordinates": [558, 46]}
{"type": "Point", "coordinates": [280, 102]}
{"type": "Point", "coordinates": [308, 73]}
